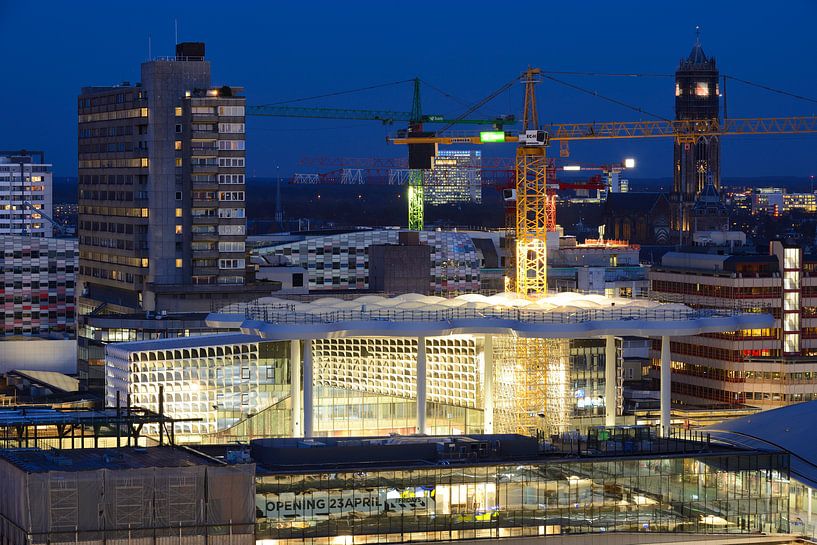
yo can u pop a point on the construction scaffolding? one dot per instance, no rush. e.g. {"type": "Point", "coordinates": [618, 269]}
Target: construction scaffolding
{"type": "Point", "coordinates": [124, 425]}
{"type": "Point", "coordinates": [144, 496]}
{"type": "Point", "coordinates": [531, 385]}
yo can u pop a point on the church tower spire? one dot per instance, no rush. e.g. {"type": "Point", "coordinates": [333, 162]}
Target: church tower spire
{"type": "Point", "coordinates": [697, 94]}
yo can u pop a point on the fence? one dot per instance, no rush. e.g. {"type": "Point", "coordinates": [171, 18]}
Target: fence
{"type": "Point", "coordinates": [277, 315]}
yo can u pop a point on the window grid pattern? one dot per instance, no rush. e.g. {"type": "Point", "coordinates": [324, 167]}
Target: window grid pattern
{"type": "Point", "coordinates": [388, 366]}
{"type": "Point", "coordinates": [221, 385]}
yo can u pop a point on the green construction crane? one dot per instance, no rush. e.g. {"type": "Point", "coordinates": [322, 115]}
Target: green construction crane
{"type": "Point", "coordinates": [414, 119]}
{"type": "Point", "coordinates": [387, 117]}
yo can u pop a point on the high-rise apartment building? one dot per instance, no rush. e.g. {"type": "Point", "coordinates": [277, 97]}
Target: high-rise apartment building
{"type": "Point", "coordinates": [162, 190]}
{"type": "Point", "coordinates": [761, 367]}
{"type": "Point", "coordinates": [25, 194]}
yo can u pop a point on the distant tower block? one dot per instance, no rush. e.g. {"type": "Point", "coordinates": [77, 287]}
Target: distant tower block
{"type": "Point", "coordinates": [695, 163]}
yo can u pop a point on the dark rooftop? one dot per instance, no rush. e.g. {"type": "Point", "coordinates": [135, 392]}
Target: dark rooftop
{"type": "Point", "coordinates": [275, 456]}
{"type": "Point", "coordinates": [42, 461]}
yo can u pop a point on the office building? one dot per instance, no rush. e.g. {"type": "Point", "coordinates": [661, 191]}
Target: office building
{"type": "Point", "coordinates": [340, 367]}
{"type": "Point", "coordinates": [697, 95]}
{"type": "Point", "coordinates": [764, 367]}
{"type": "Point", "coordinates": [775, 201]}
{"type": "Point", "coordinates": [162, 189]}
{"type": "Point", "coordinates": [25, 194]}
{"type": "Point", "coordinates": [455, 176]}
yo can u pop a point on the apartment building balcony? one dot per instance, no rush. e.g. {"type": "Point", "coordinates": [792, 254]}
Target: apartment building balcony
{"type": "Point", "coordinates": [205, 271]}
{"type": "Point", "coordinates": [204, 254]}
{"type": "Point", "coordinates": [205, 237]}
{"type": "Point", "coordinates": [211, 134]}
{"type": "Point", "coordinates": [200, 148]}
{"type": "Point", "coordinates": [206, 220]}
{"type": "Point", "coordinates": [204, 169]}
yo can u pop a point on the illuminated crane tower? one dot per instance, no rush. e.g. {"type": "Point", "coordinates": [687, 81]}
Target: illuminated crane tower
{"type": "Point", "coordinates": [532, 204]}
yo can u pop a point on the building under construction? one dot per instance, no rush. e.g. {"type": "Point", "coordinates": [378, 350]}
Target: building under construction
{"type": "Point", "coordinates": [128, 495]}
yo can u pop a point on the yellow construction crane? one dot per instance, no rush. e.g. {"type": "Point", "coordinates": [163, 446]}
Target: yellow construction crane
{"type": "Point", "coordinates": [531, 163]}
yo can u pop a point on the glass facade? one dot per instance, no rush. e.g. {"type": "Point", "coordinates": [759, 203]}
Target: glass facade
{"type": "Point", "coordinates": [730, 493]}
{"type": "Point", "coordinates": [240, 387]}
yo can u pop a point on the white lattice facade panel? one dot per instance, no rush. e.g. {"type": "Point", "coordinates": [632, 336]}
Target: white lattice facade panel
{"type": "Point", "coordinates": [218, 384]}
{"type": "Point", "coordinates": [453, 370]}
{"type": "Point", "coordinates": [388, 366]}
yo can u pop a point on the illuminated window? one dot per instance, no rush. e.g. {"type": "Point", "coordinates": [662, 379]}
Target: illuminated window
{"type": "Point", "coordinates": [178, 212]}
{"type": "Point", "coordinates": [677, 89]}
{"type": "Point", "coordinates": [702, 89]}
{"type": "Point", "coordinates": [143, 162]}
{"type": "Point", "coordinates": [145, 263]}
{"type": "Point", "coordinates": [178, 144]}
{"type": "Point", "coordinates": [178, 263]}
{"type": "Point", "coordinates": [178, 229]}
{"type": "Point", "coordinates": [145, 213]}
{"type": "Point", "coordinates": [178, 161]}
{"type": "Point", "coordinates": [143, 112]}
{"type": "Point", "coordinates": [178, 111]}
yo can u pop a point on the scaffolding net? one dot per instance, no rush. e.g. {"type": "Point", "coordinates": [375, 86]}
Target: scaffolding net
{"type": "Point", "coordinates": [532, 385]}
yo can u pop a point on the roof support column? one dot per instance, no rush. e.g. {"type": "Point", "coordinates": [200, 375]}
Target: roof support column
{"type": "Point", "coordinates": [295, 386]}
{"type": "Point", "coordinates": [422, 392]}
{"type": "Point", "coordinates": [610, 363]}
{"type": "Point", "coordinates": [808, 515]}
{"type": "Point", "coordinates": [666, 385]}
{"type": "Point", "coordinates": [309, 400]}
{"type": "Point", "coordinates": [488, 385]}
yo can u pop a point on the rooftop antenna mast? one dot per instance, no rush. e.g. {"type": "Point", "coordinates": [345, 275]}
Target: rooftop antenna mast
{"type": "Point", "coordinates": [176, 30]}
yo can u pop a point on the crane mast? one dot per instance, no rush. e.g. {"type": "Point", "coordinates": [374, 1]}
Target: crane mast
{"type": "Point", "coordinates": [531, 198]}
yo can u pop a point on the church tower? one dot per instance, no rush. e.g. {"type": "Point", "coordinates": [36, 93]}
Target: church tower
{"type": "Point", "coordinates": [696, 163]}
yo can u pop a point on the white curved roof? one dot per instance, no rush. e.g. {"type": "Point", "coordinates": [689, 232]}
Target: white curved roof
{"type": "Point", "coordinates": [791, 428]}
{"type": "Point", "coordinates": [564, 314]}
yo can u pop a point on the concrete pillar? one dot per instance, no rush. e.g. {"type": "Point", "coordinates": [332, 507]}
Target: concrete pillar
{"type": "Point", "coordinates": [422, 392]}
{"type": "Point", "coordinates": [309, 400]}
{"type": "Point", "coordinates": [610, 361]}
{"type": "Point", "coordinates": [666, 386]}
{"type": "Point", "coordinates": [295, 386]}
{"type": "Point", "coordinates": [808, 515]}
{"type": "Point", "coordinates": [488, 385]}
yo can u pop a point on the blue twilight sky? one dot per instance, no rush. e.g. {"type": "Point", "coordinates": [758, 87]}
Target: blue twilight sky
{"type": "Point", "coordinates": [284, 50]}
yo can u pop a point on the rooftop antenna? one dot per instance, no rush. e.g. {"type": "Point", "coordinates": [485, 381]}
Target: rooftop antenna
{"type": "Point", "coordinates": [150, 48]}
{"type": "Point", "coordinates": [176, 29]}
{"type": "Point", "coordinates": [697, 35]}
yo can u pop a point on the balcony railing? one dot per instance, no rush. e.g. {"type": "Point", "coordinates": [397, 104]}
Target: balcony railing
{"type": "Point", "coordinates": [275, 314]}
